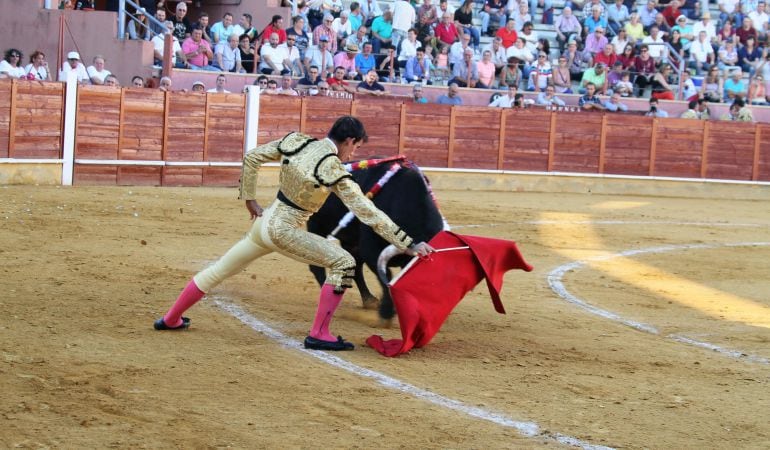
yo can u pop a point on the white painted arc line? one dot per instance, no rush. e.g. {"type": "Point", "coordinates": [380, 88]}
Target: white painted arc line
{"type": "Point", "coordinates": [557, 286]}
{"type": "Point", "coordinates": [527, 429]}
{"type": "Point", "coordinates": [611, 222]}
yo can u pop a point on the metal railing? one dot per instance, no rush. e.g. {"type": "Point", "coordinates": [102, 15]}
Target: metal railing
{"type": "Point", "coordinates": [122, 13]}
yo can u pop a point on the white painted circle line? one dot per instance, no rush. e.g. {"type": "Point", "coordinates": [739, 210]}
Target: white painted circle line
{"type": "Point", "coordinates": [527, 429]}
{"type": "Point", "coordinates": [556, 284]}
{"type": "Point", "coordinates": [612, 222]}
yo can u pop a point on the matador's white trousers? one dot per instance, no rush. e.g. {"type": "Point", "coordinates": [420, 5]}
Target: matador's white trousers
{"type": "Point", "coordinates": [281, 229]}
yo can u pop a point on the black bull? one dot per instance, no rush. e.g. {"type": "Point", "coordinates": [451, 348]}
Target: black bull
{"type": "Point", "coordinates": [405, 198]}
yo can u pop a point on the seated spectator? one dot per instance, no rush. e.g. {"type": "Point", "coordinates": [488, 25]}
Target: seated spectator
{"type": "Point", "coordinates": [320, 57]}
{"type": "Point", "coordinates": [37, 69]}
{"type": "Point", "coordinates": [322, 89]}
{"type": "Point", "coordinates": [589, 6]}
{"type": "Point", "coordinates": [624, 87]}
{"type": "Point", "coordinates": [261, 81]}
{"type": "Point", "coordinates": [338, 83]}
{"type": "Point", "coordinates": [510, 76]}
{"type": "Point", "coordinates": [727, 57]}
{"type": "Point", "coordinates": [342, 26]}
{"type": "Point", "coordinates": [417, 94]}
{"type": "Point", "coordinates": [679, 51]}
{"type": "Point", "coordinates": [549, 98]}
{"type": "Point", "coordinates": [447, 33]}
{"type": "Point", "coordinates": [457, 50]}
{"type": "Point", "coordinates": [705, 25]}
{"type": "Point", "coordinates": [562, 80]}
{"type": "Point", "coordinates": [464, 19]}
{"type": "Point", "coordinates": [530, 36]}
{"type": "Point", "coordinates": [10, 66]}
{"type": "Point", "coordinates": [595, 42]}
{"type": "Point", "coordinates": [139, 29]}
{"type": "Point", "coordinates": [370, 85]}
{"type": "Point", "coordinates": [523, 55]}
{"type": "Point", "coordinates": [408, 47]}
{"type": "Point", "coordinates": [589, 101]}
{"type": "Point", "coordinates": [247, 54]}
{"type": "Point", "coordinates": [301, 39]}
{"type": "Point", "coordinates": [735, 86]}
{"type": "Point", "coordinates": [387, 70]}
{"type": "Point", "coordinates": [505, 101]}
{"type": "Point", "coordinates": [689, 91]}
{"type": "Point", "coordinates": [663, 27]}
{"type": "Point", "coordinates": [365, 61]}
{"type": "Point", "coordinates": [357, 19]}
{"type": "Point", "coordinates": [312, 78]}
{"type": "Point", "coordinates": [165, 84]}
{"type": "Point", "coordinates": [656, 45]}
{"type": "Point", "coordinates": [757, 92]}
{"type": "Point", "coordinates": [137, 81]}
{"type": "Point", "coordinates": [499, 57]}
{"type": "Point", "coordinates": [359, 38]}
{"type": "Point", "coordinates": [712, 86]}
{"type": "Point", "coordinates": [617, 15]}
{"type": "Point", "coordinates": [182, 26]}
{"type": "Point", "coordinates": [347, 60]}
{"type": "Point", "coordinates": [597, 77]}
{"type": "Point", "coordinates": [178, 58]}
{"type": "Point", "coordinates": [760, 20]}
{"type": "Point", "coordinates": [628, 57]}
{"type": "Point", "coordinates": [577, 61]}
{"type": "Point", "coordinates": [293, 63]}
{"type": "Point", "coordinates": [286, 87]}
{"type": "Point", "coordinates": [646, 15]}
{"type": "Point", "coordinates": [730, 11]}
{"type": "Point", "coordinates": [541, 75]}
{"type": "Point", "coordinates": [111, 81]}
{"type": "Point", "coordinates": [613, 103]}
{"type": "Point", "coordinates": [686, 32]}
{"type": "Point", "coordinates": [466, 74]}
{"type": "Point", "coordinates": [521, 14]}
{"type": "Point", "coordinates": [654, 110]}
{"type": "Point", "coordinates": [222, 30]}
{"type": "Point", "coordinates": [567, 28]}
{"type": "Point", "coordinates": [227, 56]}
{"type": "Point", "coordinates": [197, 51]}
{"type": "Point", "coordinates": [644, 66]}
{"type": "Point", "coordinates": [672, 13]}
{"type": "Point", "coordinates": [451, 97]}
{"type": "Point", "coordinates": [660, 87]}
{"type": "Point", "coordinates": [418, 68]}
{"type": "Point", "coordinates": [73, 64]}
{"type": "Point", "coordinates": [441, 62]}
{"type": "Point", "coordinates": [382, 31]}
{"type": "Point", "coordinates": [634, 28]}
{"type": "Point", "coordinates": [275, 26]}
{"type": "Point", "coordinates": [220, 86]}
{"type": "Point", "coordinates": [272, 88]}
{"type": "Point", "coordinates": [244, 27]}
{"type": "Point", "coordinates": [750, 56]}
{"type": "Point", "coordinates": [614, 74]}
{"type": "Point", "coordinates": [203, 24]}
{"type": "Point", "coordinates": [273, 57]}
{"type": "Point", "coordinates": [198, 86]}
{"type": "Point", "coordinates": [507, 34]}
{"type": "Point", "coordinates": [607, 56]}
{"type": "Point", "coordinates": [727, 33]}
{"type": "Point", "coordinates": [486, 69]}
{"type": "Point", "coordinates": [493, 10]}
{"type": "Point", "coordinates": [620, 41]}
{"type": "Point", "coordinates": [595, 20]}
{"type": "Point", "coordinates": [701, 54]}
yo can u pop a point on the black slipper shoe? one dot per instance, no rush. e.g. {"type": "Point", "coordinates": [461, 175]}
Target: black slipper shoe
{"type": "Point", "coordinates": [161, 325]}
{"type": "Point", "coordinates": [340, 344]}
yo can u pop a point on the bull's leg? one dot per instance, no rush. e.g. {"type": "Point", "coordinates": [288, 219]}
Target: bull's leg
{"type": "Point", "coordinates": [319, 273]}
{"type": "Point", "coordinates": [368, 299]}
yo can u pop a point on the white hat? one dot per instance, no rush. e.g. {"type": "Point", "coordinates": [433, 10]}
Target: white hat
{"type": "Point", "coordinates": [73, 55]}
{"type": "Point", "coordinates": [199, 83]}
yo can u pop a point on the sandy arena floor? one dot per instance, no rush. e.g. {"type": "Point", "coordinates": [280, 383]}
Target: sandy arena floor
{"type": "Point", "coordinates": [85, 271]}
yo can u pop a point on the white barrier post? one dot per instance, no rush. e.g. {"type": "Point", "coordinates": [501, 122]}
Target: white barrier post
{"type": "Point", "coordinates": [252, 118]}
{"type": "Point", "coordinates": [68, 138]}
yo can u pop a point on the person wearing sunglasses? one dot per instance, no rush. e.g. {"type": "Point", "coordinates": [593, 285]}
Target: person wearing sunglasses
{"type": "Point", "coordinates": [10, 66]}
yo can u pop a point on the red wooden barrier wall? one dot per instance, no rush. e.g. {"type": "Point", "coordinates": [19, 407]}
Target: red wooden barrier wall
{"type": "Point", "coordinates": [149, 125]}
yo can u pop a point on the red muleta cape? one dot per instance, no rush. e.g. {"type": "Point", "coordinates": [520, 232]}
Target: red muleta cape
{"type": "Point", "coordinates": [426, 294]}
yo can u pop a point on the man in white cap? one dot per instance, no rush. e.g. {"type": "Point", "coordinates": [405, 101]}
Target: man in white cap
{"type": "Point", "coordinates": [198, 86]}
{"type": "Point", "coordinates": [73, 64]}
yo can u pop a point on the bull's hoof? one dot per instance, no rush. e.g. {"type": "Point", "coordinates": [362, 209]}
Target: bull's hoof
{"type": "Point", "coordinates": [384, 323]}
{"type": "Point", "coordinates": [371, 303]}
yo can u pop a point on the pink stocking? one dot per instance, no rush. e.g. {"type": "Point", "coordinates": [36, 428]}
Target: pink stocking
{"type": "Point", "coordinates": [327, 304]}
{"type": "Point", "coordinates": [189, 296]}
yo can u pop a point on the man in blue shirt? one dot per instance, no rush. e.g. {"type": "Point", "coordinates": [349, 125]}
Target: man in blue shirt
{"type": "Point", "coordinates": [417, 67]}
{"type": "Point", "coordinates": [365, 60]}
{"type": "Point", "coordinates": [451, 97]}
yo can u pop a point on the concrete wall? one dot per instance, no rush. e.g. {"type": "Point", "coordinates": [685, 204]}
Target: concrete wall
{"type": "Point", "coordinates": [27, 28]}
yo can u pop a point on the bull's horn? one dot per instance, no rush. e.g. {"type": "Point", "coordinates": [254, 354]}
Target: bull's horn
{"type": "Point", "coordinates": [382, 262]}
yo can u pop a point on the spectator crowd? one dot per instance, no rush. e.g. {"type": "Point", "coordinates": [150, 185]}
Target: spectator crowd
{"type": "Point", "coordinates": [603, 52]}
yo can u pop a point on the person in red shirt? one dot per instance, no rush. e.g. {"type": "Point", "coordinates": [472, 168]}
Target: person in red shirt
{"type": "Point", "coordinates": [275, 26]}
{"type": "Point", "coordinates": [446, 31]}
{"type": "Point", "coordinates": [607, 56]}
{"type": "Point", "coordinates": [337, 81]}
{"type": "Point", "coordinates": [508, 33]}
{"type": "Point", "coordinates": [672, 12]}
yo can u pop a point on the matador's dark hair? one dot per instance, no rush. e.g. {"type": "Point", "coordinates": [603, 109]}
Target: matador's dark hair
{"type": "Point", "coordinates": [348, 127]}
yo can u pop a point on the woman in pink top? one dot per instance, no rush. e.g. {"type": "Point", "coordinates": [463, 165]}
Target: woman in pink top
{"type": "Point", "coordinates": [486, 70]}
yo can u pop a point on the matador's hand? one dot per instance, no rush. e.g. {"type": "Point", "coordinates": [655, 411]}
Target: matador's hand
{"type": "Point", "coordinates": [254, 209]}
{"type": "Point", "coordinates": [422, 250]}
